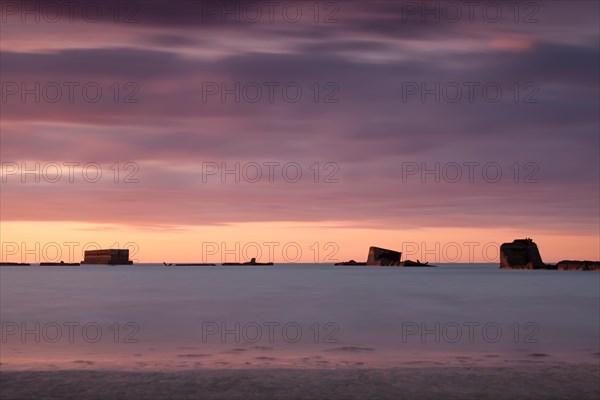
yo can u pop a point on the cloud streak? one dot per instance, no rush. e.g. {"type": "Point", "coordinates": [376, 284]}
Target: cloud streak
{"type": "Point", "coordinates": [369, 103]}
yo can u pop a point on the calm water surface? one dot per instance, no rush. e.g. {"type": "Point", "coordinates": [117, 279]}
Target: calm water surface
{"type": "Point", "coordinates": [301, 315]}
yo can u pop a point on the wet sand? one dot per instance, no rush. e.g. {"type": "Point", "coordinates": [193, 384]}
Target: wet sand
{"type": "Point", "coordinates": [549, 381]}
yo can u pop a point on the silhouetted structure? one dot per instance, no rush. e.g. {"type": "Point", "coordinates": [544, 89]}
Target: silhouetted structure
{"type": "Point", "coordinates": [383, 257]}
{"type": "Point", "coordinates": [524, 254]}
{"type": "Point", "coordinates": [251, 262]}
{"type": "Point", "coordinates": [521, 254]}
{"type": "Point", "coordinates": [107, 257]}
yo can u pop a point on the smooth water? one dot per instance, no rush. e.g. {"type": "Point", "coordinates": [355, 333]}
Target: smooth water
{"type": "Point", "coordinates": [301, 315]}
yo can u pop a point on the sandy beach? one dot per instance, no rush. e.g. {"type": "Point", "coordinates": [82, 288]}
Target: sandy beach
{"type": "Point", "coordinates": [549, 381]}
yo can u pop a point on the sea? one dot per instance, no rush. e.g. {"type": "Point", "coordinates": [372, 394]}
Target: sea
{"type": "Point", "coordinates": [148, 316]}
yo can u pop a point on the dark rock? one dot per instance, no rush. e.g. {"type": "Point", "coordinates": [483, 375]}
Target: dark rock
{"type": "Point", "coordinates": [571, 265]}
{"type": "Point", "coordinates": [351, 262]}
{"type": "Point", "coordinates": [409, 263]}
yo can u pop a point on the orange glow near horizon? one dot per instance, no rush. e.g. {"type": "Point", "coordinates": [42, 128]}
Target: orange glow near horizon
{"type": "Point", "coordinates": [278, 242]}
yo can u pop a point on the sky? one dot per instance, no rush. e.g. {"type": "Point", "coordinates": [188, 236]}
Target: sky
{"type": "Point", "coordinates": [193, 131]}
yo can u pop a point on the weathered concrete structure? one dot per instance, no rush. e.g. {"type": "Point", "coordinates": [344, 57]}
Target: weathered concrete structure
{"type": "Point", "coordinates": [107, 257]}
{"type": "Point", "coordinates": [524, 254]}
{"type": "Point", "coordinates": [521, 254]}
{"type": "Point", "coordinates": [383, 257]}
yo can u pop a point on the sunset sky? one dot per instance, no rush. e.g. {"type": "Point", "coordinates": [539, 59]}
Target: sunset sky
{"type": "Point", "coordinates": [362, 121]}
